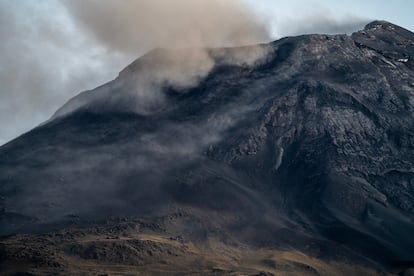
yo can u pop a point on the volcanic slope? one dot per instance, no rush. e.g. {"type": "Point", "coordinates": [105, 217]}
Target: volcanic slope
{"type": "Point", "coordinates": [305, 149]}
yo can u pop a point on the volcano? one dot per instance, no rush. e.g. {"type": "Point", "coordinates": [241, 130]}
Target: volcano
{"type": "Point", "coordinates": [299, 161]}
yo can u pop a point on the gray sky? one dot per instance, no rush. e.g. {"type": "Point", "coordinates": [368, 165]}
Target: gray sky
{"type": "Point", "coordinates": [51, 50]}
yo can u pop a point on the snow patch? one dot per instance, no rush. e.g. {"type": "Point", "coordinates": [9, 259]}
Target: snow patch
{"type": "Point", "coordinates": [402, 60]}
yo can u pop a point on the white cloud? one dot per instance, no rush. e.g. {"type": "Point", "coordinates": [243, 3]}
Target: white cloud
{"type": "Point", "coordinates": [44, 60]}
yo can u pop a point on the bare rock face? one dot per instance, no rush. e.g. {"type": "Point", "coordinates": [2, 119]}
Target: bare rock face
{"type": "Point", "coordinates": [312, 143]}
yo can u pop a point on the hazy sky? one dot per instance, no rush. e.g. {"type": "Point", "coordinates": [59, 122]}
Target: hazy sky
{"type": "Point", "coordinates": [51, 50]}
{"type": "Point", "coordinates": [399, 12]}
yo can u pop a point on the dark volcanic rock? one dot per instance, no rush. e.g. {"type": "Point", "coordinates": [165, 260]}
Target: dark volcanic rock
{"type": "Point", "coordinates": [317, 138]}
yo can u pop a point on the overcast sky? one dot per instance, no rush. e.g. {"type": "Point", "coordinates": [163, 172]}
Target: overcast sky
{"type": "Point", "coordinates": [51, 50]}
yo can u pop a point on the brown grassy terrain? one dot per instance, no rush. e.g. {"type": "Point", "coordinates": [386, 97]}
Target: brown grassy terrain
{"type": "Point", "coordinates": [139, 249]}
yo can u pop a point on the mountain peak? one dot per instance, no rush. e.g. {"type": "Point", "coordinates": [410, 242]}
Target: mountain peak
{"type": "Point", "coordinates": [378, 24]}
{"type": "Point", "coordinates": [382, 27]}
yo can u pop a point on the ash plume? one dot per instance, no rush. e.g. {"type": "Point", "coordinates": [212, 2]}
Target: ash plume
{"type": "Point", "coordinates": [137, 26]}
{"type": "Point", "coordinates": [181, 32]}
